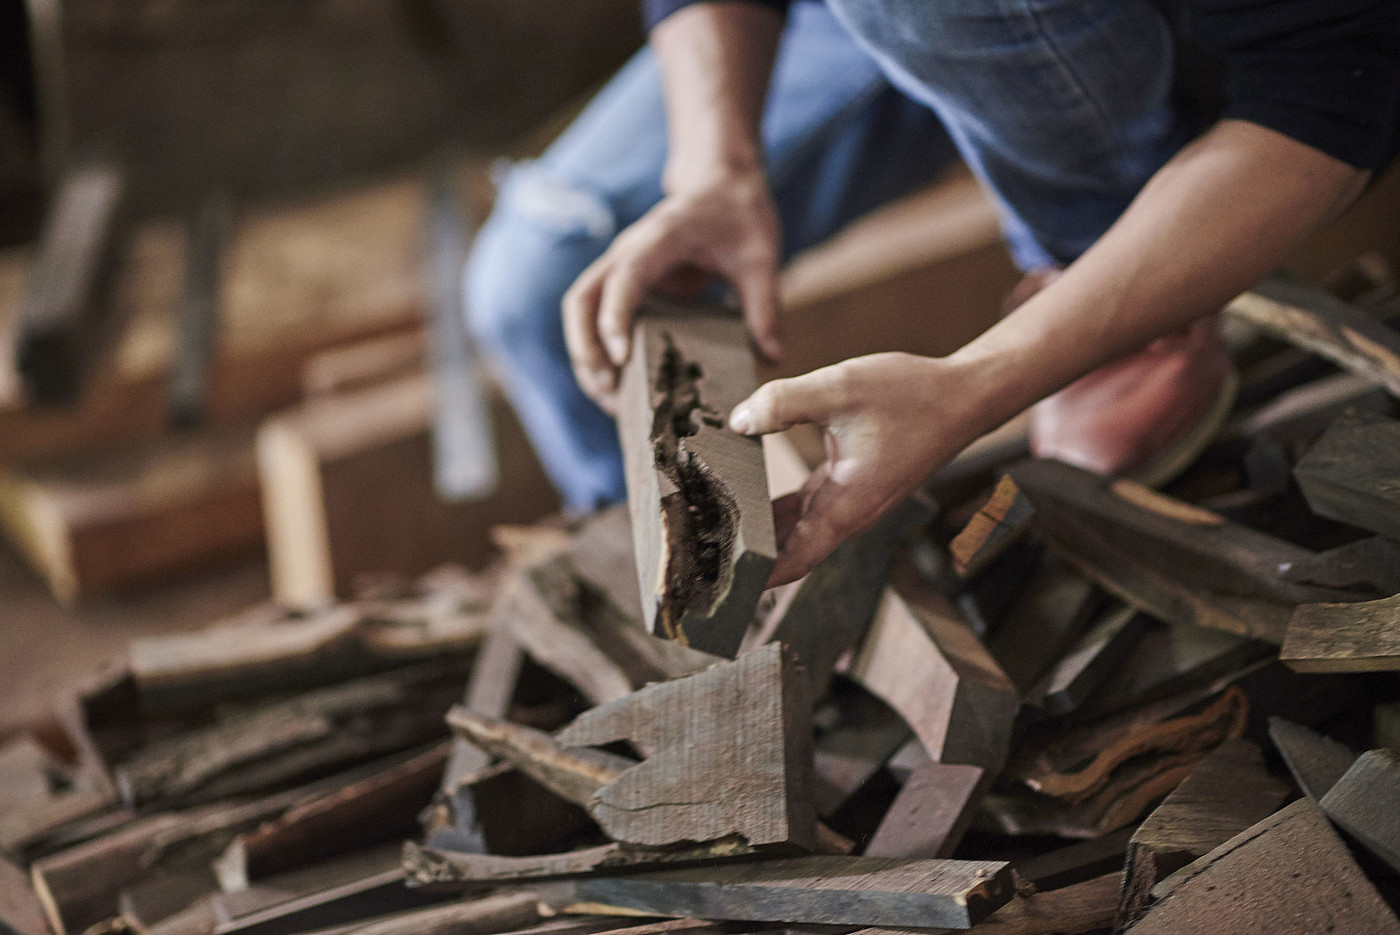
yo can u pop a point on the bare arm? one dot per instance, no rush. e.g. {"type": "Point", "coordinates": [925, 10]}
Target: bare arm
{"type": "Point", "coordinates": [1224, 212]}
{"type": "Point", "coordinates": [717, 217]}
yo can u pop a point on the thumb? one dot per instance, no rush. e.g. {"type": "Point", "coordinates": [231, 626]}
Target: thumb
{"type": "Point", "coordinates": [815, 397]}
{"type": "Point", "coordinates": [758, 297]}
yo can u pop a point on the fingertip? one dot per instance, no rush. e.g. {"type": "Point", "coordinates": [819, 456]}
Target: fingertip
{"type": "Point", "coordinates": [741, 419]}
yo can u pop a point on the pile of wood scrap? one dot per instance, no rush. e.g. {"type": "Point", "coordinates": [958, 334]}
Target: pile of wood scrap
{"type": "Point", "coordinates": [1030, 700]}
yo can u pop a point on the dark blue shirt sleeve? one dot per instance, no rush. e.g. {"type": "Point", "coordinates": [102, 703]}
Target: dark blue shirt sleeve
{"type": "Point", "coordinates": [1324, 72]}
{"type": "Point", "coordinates": [657, 10]}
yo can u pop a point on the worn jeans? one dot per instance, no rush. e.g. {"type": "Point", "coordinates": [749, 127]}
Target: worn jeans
{"type": "Point", "coordinates": [1063, 108]}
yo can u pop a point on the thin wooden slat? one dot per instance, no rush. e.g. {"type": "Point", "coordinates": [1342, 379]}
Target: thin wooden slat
{"type": "Point", "coordinates": [818, 890]}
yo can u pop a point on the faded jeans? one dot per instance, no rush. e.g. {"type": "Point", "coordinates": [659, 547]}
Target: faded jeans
{"type": "Point", "coordinates": [1063, 108]}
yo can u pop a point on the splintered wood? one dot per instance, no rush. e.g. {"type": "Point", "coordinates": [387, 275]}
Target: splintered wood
{"type": "Point", "coordinates": [697, 491]}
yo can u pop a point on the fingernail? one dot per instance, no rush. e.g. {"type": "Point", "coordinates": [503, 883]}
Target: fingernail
{"type": "Point", "coordinates": [741, 420]}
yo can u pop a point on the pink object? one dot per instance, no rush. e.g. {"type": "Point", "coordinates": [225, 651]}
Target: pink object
{"type": "Point", "coordinates": [1147, 415]}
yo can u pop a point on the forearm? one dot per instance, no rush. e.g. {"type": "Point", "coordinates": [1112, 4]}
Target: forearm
{"type": "Point", "coordinates": [716, 60]}
{"type": "Point", "coordinates": [1223, 213]}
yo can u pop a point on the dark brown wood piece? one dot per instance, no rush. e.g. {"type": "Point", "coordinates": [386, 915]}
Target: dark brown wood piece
{"type": "Point", "coordinates": [697, 491]}
{"type": "Point", "coordinates": [499, 912]}
{"type": "Point", "coordinates": [817, 890]}
{"type": "Point", "coordinates": [1178, 562]}
{"type": "Point", "coordinates": [1311, 319]}
{"type": "Point", "coordinates": [1352, 473]}
{"type": "Point", "coordinates": [1228, 792]}
{"type": "Point", "coordinates": [1288, 873]}
{"type": "Point", "coordinates": [1041, 623]}
{"type": "Point", "coordinates": [728, 752]}
{"type": "Point", "coordinates": [1364, 565]}
{"type": "Point", "coordinates": [1365, 803]}
{"type": "Point", "coordinates": [1091, 660]}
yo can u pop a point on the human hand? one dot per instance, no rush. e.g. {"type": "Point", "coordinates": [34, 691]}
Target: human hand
{"type": "Point", "coordinates": [889, 420]}
{"type": "Point", "coordinates": [725, 226]}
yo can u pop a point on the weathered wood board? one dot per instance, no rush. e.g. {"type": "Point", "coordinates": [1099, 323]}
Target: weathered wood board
{"type": "Point", "coordinates": [697, 491]}
{"type": "Point", "coordinates": [931, 813]}
{"type": "Point", "coordinates": [1228, 792]}
{"type": "Point", "coordinates": [1359, 637]}
{"type": "Point", "coordinates": [1288, 873]}
{"type": "Point", "coordinates": [817, 890]}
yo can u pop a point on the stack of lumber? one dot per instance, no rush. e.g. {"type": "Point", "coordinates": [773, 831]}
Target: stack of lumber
{"type": "Point", "coordinates": [1031, 700]}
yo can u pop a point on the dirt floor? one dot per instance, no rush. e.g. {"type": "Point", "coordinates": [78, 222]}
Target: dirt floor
{"type": "Point", "coordinates": [45, 647]}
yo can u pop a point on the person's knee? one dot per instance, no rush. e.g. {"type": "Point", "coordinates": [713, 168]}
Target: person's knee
{"type": "Point", "coordinates": [539, 237]}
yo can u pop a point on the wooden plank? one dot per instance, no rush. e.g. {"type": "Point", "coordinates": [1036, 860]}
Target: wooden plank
{"type": "Point", "coordinates": [373, 894]}
{"type": "Point", "coordinates": [1126, 536]}
{"type": "Point", "coordinates": [879, 891]}
{"type": "Point", "coordinates": [1228, 792]}
{"type": "Point", "coordinates": [1304, 412]}
{"type": "Point", "coordinates": [270, 649]}
{"type": "Point", "coordinates": [94, 526]}
{"type": "Point", "coordinates": [1288, 873]}
{"type": "Point", "coordinates": [453, 869]}
{"type": "Point", "coordinates": [1363, 803]}
{"type": "Point", "coordinates": [1316, 762]}
{"type": "Point", "coordinates": [1090, 660]}
{"type": "Point", "coordinates": [829, 611]}
{"type": "Point", "coordinates": [60, 319]}
{"type": "Point", "coordinates": [1311, 319]}
{"type": "Point", "coordinates": [347, 489]}
{"type": "Point", "coordinates": [996, 526]}
{"type": "Point", "coordinates": [513, 815]}
{"type": "Point", "coordinates": [923, 661]}
{"type": "Point", "coordinates": [728, 752]}
{"type": "Point", "coordinates": [931, 813]}
{"type": "Point", "coordinates": [1360, 637]}
{"type": "Point", "coordinates": [697, 491]}
{"type": "Point", "coordinates": [282, 741]}
{"type": "Point", "coordinates": [1352, 473]}
{"type": "Point", "coordinates": [1078, 909]}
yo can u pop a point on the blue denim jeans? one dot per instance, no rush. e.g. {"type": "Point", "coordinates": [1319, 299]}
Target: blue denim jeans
{"type": "Point", "coordinates": [1062, 108]}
